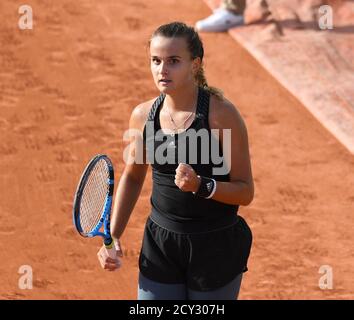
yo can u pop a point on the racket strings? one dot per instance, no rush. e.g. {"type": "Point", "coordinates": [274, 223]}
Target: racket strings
{"type": "Point", "coordinates": [94, 196]}
{"type": "Point", "coordinates": [97, 198]}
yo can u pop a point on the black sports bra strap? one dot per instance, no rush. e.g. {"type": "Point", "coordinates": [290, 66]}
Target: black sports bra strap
{"type": "Point", "coordinates": [155, 106]}
{"type": "Point", "coordinates": [203, 108]}
{"type": "Point", "coordinates": [152, 112]}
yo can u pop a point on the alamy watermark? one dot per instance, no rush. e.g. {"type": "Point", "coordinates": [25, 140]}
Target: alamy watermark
{"type": "Point", "coordinates": [326, 281]}
{"type": "Point", "coordinates": [26, 279]}
{"type": "Point", "coordinates": [325, 20]}
{"type": "Point", "coordinates": [26, 19]}
{"type": "Point", "coordinates": [192, 146]}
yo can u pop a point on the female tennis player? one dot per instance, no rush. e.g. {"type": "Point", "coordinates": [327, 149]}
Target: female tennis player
{"type": "Point", "coordinates": [195, 245]}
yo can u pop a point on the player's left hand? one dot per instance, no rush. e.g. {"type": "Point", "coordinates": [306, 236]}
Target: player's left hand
{"type": "Point", "coordinates": [186, 178]}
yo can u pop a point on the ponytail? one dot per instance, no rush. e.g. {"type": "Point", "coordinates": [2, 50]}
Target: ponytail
{"type": "Point", "coordinates": [202, 82]}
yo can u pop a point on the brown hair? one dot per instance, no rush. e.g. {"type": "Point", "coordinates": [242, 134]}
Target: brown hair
{"type": "Point", "coordinates": [195, 46]}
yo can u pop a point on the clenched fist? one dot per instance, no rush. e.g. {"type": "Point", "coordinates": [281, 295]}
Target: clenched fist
{"type": "Point", "coordinates": [186, 178]}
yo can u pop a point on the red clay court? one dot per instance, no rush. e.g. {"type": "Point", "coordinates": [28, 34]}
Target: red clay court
{"type": "Point", "coordinates": [67, 88]}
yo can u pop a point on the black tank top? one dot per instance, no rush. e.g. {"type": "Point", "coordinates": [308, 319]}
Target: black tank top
{"type": "Point", "coordinates": [167, 200]}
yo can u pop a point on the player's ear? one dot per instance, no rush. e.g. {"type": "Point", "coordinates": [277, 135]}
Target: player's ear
{"type": "Point", "coordinates": [196, 64]}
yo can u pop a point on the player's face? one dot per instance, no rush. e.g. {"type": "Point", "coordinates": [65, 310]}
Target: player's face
{"type": "Point", "coordinates": [171, 64]}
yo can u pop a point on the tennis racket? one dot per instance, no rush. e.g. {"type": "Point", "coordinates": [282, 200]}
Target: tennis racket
{"type": "Point", "coordinates": [93, 201]}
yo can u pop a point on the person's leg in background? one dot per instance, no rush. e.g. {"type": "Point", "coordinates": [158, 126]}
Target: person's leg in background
{"type": "Point", "coordinates": [151, 290]}
{"type": "Point", "coordinates": [233, 13]}
{"type": "Point", "coordinates": [234, 6]}
{"type": "Point", "coordinates": [228, 15]}
{"type": "Point", "coordinates": [228, 292]}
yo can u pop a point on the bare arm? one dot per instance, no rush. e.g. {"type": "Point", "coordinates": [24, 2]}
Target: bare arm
{"type": "Point", "coordinates": [240, 189]}
{"type": "Point", "coordinates": [125, 199]}
{"type": "Point", "coordinates": [133, 177]}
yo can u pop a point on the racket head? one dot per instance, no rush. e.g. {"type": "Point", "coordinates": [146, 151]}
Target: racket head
{"type": "Point", "coordinates": [93, 198]}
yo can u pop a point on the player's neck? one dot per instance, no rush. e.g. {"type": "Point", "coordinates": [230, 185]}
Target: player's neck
{"type": "Point", "coordinates": [183, 100]}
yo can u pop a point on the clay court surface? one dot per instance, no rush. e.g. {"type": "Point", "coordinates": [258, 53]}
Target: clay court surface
{"type": "Point", "coordinates": [67, 88]}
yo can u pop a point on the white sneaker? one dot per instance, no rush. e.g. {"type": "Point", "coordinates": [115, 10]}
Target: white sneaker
{"type": "Point", "coordinates": [221, 20]}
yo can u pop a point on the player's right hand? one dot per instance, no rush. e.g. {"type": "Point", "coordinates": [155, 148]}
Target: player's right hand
{"type": "Point", "coordinates": [106, 261]}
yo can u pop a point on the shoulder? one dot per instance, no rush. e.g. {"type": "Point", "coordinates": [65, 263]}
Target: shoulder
{"type": "Point", "coordinates": [224, 114]}
{"type": "Point", "coordinates": [140, 114]}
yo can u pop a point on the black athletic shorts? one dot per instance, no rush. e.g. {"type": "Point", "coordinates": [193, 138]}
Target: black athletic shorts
{"type": "Point", "coordinates": [203, 261]}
